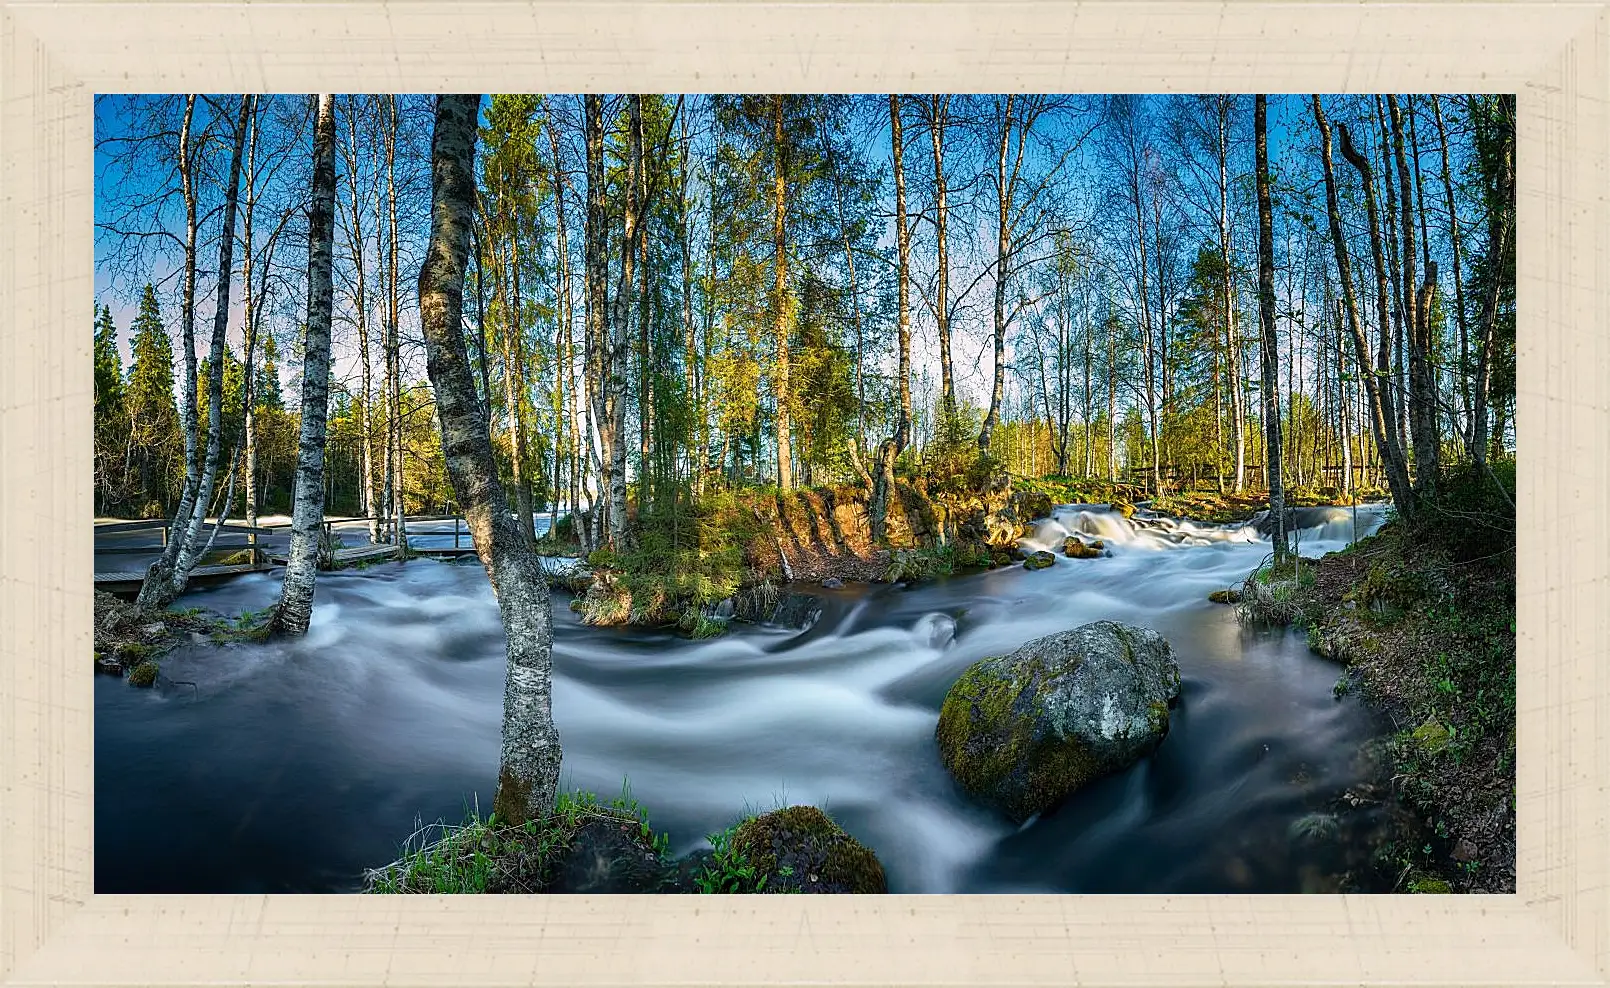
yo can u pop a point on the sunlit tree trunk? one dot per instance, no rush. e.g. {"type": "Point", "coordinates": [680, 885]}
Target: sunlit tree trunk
{"type": "Point", "coordinates": [528, 777]}
{"type": "Point", "coordinates": [780, 299]}
{"type": "Point", "coordinates": [883, 482]}
{"type": "Point", "coordinates": [307, 513]}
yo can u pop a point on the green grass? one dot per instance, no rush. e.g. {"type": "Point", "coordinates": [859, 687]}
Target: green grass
{"type": "Point", "coordinates": [464, 859]}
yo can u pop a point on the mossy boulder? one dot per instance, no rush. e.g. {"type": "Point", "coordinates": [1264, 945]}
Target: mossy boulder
{"type": "Point", "coordinates": [1075, 548]}
{"type": "Point", "coordinates": [1225, 596]}
{"type": "Point", "coordinates": [1124, 508]}
{"type": "Point", "coordinates": [801, 849]}
{"type": "Point", "coordinates": [144, 675]}
{"type": "Point", "coordinates": [1039, 560]}
{"type": "Point", "coordinates": [1022, 731]}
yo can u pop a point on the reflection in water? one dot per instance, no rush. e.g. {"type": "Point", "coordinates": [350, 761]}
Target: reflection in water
{"type": "Point", "coordinates": [291, 767]}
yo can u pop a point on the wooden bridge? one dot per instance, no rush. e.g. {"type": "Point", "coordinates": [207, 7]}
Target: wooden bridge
{"type": "Point", "coordinates": [264, 547]}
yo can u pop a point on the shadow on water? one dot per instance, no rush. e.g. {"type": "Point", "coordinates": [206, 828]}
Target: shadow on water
{"type": "Point", "coordinates": [293, 766]}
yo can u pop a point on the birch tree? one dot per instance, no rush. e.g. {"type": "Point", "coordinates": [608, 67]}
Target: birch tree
{"type": "Point", "coordinates": [528, 776]}
{"type": "Point", "coordinates": [295, 609]}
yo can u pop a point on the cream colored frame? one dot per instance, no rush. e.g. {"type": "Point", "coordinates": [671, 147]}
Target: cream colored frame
{"type": "Point", "coordinates": [55, 56]}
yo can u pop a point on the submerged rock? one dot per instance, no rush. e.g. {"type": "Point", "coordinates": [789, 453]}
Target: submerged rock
{"type": "Point", "coordinates": [832, 583]}
{"type": "Point", "coordinates": [801, 849]}
{"type": "Point", "coordinates": [1039, 560]}
{"type": "Point", "coordinates": [1022, 731]}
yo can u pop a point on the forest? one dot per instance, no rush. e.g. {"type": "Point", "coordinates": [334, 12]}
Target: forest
{"type": "Point", "coordinates": [764, 289]}
{"type": "Point", "coordinates": [678, 337]}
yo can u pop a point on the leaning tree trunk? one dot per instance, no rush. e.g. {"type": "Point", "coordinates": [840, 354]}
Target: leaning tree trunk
{"type": "Point", "coordinates": [167, 577]}
{"type": "Point", "coordinates": [187, 323]}
{"type": "Point", "coordinates": [1376, 386]}
{"type": "Point", "coordinates": [307, 511]}
{"type": "Point", "coordinates": [1266, 320]}
{"type": "Point", "coordinates": [528, 777]}
{"type": "Point", "coordinates": [1422, 397]}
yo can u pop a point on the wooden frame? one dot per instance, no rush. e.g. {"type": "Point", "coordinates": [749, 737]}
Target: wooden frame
{"type": "Point", "coordinates": [55, 56]}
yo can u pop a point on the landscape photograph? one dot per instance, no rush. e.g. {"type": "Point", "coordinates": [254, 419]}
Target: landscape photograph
{"type": "Point", "coordinates": [804, 493]}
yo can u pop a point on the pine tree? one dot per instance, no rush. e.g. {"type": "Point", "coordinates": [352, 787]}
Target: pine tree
{"type": "Point", "coordinates": [156, 447]}
{"type": "Point", "coordinates": [266, 391]}
{"type": "Point", "coordinates": [108, 370]}
{"type": "Point", "coordinates": [111, 432]}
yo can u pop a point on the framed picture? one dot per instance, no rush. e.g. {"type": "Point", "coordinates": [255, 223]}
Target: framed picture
{"type": "Point", "coordinates": [1108, 515]}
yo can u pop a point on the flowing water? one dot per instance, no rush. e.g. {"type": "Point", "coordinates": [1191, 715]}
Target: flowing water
{"type": "Point", "coordinates": [291, 767]}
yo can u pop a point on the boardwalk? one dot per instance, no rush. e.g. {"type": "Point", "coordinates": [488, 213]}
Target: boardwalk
{"type": "Point", "coordinates": [125, 549]}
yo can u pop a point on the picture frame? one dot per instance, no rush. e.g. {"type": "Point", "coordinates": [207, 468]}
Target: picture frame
{"type": "Point", "coordinates": [55, 56]}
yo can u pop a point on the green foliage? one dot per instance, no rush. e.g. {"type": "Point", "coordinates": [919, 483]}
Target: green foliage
{"type": "Point", "coordinates": [688, 557]}
{"type": "Point", "coordinates": [469, 857]}
{"type": "Point", "coordinates": [1472, 514]}
{"type": "Point", "coordinates": [730, 871]}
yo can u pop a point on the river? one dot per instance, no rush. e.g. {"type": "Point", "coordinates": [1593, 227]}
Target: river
{"type": "Point", "coordinates": [290, 767]}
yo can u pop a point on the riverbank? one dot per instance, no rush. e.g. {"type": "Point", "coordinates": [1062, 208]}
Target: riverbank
{"type": "Point", "coordinates": [1422, 618]}
{"type": "Point", "coordinates": [699, 563]}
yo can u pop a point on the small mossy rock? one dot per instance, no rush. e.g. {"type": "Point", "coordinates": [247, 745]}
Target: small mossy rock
{"type": "Point", "coordinates": [1431, 736]}
{"type": "Point", "coordinates": [1040, 560]}
{"type": "Point", "coordinates": [1022, 731]}
{"type": "Point", "coordinates": [818, 856]}
{"type": "Point", "coordinates": [1422, 885]}
{"type": "Point", "coordinates": [608, 856]}
{"type": "Point", "coordinates": [1225, 596]}
{"type": "Point", "coordinates": [1124, 508]}
{"type": "Point", "coordinates": [144, 675]}
{"type": "Point", "coordinates": [1073, 548]}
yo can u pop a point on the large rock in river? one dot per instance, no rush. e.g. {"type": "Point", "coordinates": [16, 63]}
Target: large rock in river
{"type": "Point", "coordinates": [1024, 730]}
